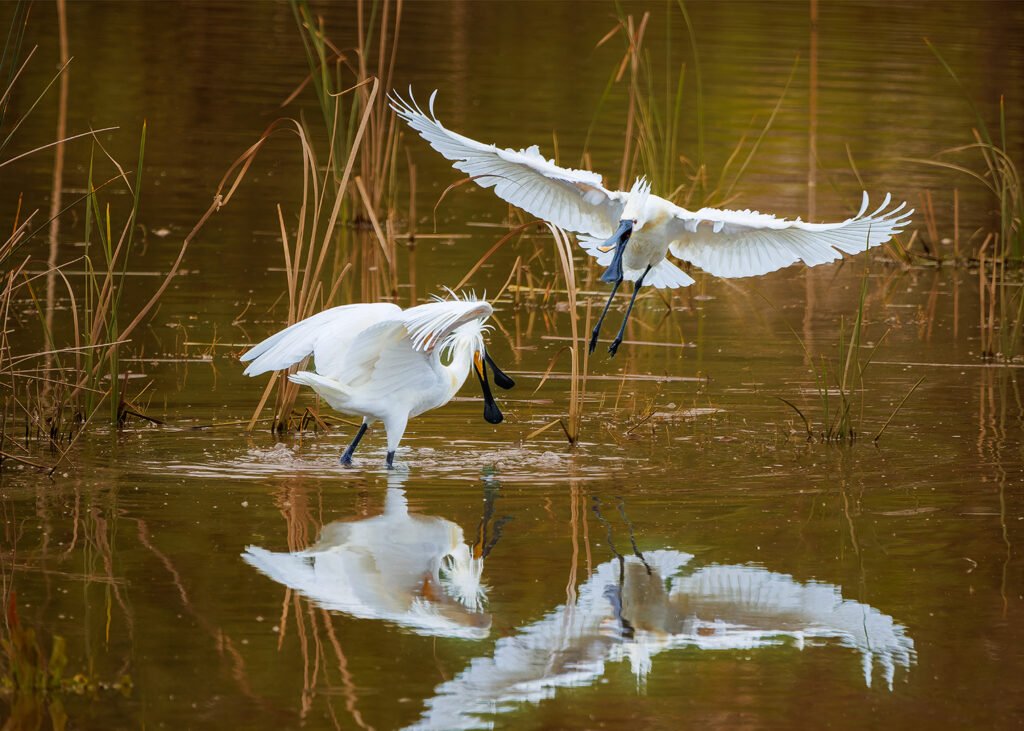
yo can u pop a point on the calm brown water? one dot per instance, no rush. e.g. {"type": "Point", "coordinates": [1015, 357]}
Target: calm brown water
{"type": "Point", "coordinates": [693, 563]}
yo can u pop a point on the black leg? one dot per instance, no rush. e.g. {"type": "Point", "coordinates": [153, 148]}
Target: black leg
{"type": "Point", "coordinates": [346, 458]}
{"type": "Point", "coordinates": [622, 330]}
{"type": "Point", "coordinates": [391, 460]}
{"type": "Point", "coordinates": [600, 320]}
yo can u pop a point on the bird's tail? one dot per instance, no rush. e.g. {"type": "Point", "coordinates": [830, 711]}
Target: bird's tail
{"type": "Point", "coordinates": [663, 275]}
{"type": "Point", "coordinates": [332, 391]}
{"type": "Point", "coordinates": [287, 568]}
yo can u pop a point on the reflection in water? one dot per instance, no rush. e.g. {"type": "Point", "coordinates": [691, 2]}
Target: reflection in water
{"type": "Point", "coordinates": [634, 608]}
{"type": "Point", "coordinates": [413, 570]}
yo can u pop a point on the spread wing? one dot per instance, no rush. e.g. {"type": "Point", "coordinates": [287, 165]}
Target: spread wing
{"type": "Point", "coordinates": [404, 350]}
{"type": "Point", "coordinates": [571, 199]}
{"type": "Point", "coordinates": [747, 243]}
{"type": "Point", "coordinates": [326, 336]}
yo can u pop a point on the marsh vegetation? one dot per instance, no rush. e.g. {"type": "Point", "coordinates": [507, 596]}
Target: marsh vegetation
{"type": "Point", "coordinates": [841, 425]}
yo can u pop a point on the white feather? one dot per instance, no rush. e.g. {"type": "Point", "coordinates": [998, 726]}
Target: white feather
{"type": "Point", "coordinates": [572, 199]}
{"type": "Point", "coordinates": [663, 275]}
{"type": "Point", "coordinates": [323, 335]}
{"type": "Point", "coordinates": [747, 243]}
{"type": "Point", "coordinates": [723, 242]}
{"type": "Point", "coordinates": [379, 362]}
{"type": "Point", "coordinates": [386, 567]}
{"type": "Point", "coordinates": [667, 604]}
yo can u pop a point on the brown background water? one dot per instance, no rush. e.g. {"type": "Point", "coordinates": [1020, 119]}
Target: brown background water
{"type": "Point", "coordinates": [133, 554]}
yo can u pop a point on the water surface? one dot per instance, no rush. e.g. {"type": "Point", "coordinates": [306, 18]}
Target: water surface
{"type": "Point", "coordinates": [693, 562]}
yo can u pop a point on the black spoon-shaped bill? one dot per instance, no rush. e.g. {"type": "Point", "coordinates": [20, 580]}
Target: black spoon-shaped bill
{"type": "Point", "coordinates": [619, 239]}
{"type": "Point", "coordinates": [501, 379]}
{"type": "Point", "coordinates": [491, 411]}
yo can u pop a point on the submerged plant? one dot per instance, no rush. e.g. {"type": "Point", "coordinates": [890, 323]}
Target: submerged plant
{"type": "Point", "coordinates": [34, 679]}
{"type": "Point", "coordinates": [841, 386]}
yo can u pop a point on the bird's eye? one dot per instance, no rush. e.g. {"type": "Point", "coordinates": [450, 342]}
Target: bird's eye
{"type": "Point", "coordinates": [634, 222]}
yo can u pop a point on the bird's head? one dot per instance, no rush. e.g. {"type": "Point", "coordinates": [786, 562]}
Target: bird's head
{"type": "Point", "coordinates": [633, 217]}
{"type": "Point", "coordinates": [635, 210]}
{"type": "Point", "coordinates": [470, 336]}
{"type": "Point", "coordinates": [461, 577]}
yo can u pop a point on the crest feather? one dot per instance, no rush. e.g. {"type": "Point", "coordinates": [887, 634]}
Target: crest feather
{"type": "Point", "coordinates": [436, 323]}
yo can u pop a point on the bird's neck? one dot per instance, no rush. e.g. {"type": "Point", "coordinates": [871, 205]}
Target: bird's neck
{"type": "Point", "coordinates": [462, 362]}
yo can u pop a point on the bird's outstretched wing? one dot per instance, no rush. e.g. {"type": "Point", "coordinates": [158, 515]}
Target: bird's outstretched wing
{"type": "Point", "coordinates": [326, 336]}
{"type": "Point", "coordinates": [746, 243]}
{"type": "Point", "coordinates": [575, 200]}
{"type": "Point", "coordinates": [396, 354]}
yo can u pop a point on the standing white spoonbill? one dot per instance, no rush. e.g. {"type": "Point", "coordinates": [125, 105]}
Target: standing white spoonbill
{"type": "Point", "coordinates": [722, 242]}
{"type": "Point", "coordinates": [383, 363]}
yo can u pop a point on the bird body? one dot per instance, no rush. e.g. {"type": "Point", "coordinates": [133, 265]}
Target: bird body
{"type": "Point", "coordinates": [385, 364]}
{"type": "Point", "coordinates": [632, 232]}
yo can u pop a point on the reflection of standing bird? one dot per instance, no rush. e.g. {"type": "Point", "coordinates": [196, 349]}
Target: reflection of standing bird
{"type": "Point", "coordinates": [634, 609]}
{"type": "Point", "coordinates": [631, 232]}
{"type": "Point", "coordinates": [385, 364]}
{"type": "Point", "coordinates": [413, 570]}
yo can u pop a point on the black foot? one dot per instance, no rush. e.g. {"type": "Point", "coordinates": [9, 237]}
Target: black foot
{"type": "Point", "coordinates": [593, 340]}
{"type": "Point", "coordinates": [391, 460]}
{"type": "Point", "coordinates": [346, 456]}
{"type": "Point", "coordinates": [614, 347]}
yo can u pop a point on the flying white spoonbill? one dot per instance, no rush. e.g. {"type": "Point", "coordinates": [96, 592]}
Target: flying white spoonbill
{"type": "Point", "coordinates": [383, 363]}
{"type": "Point", "coordinates": [722, 242]}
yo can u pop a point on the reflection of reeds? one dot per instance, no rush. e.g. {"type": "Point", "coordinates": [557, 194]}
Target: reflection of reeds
{"type": "Point", "coordinates": [34, 663]}
{"type": "Point", "coordinates": [34, 676]}
{"type": "Point", "coordinates": [1001, 307]}
{"type": "Point", "coordinates": [312, 623]}
{"type": "Point", "coordinates": [225, 645]}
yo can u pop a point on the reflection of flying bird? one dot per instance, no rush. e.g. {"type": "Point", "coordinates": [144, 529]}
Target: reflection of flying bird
{"type": "Point", "coordinates": [631, 232]}
{"type": "Point", "coordinates": [413, 570]}
{"type": "Point", "coordinates": [385, 364]}
{"type": "Point", "coordinates": [634, 610]}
